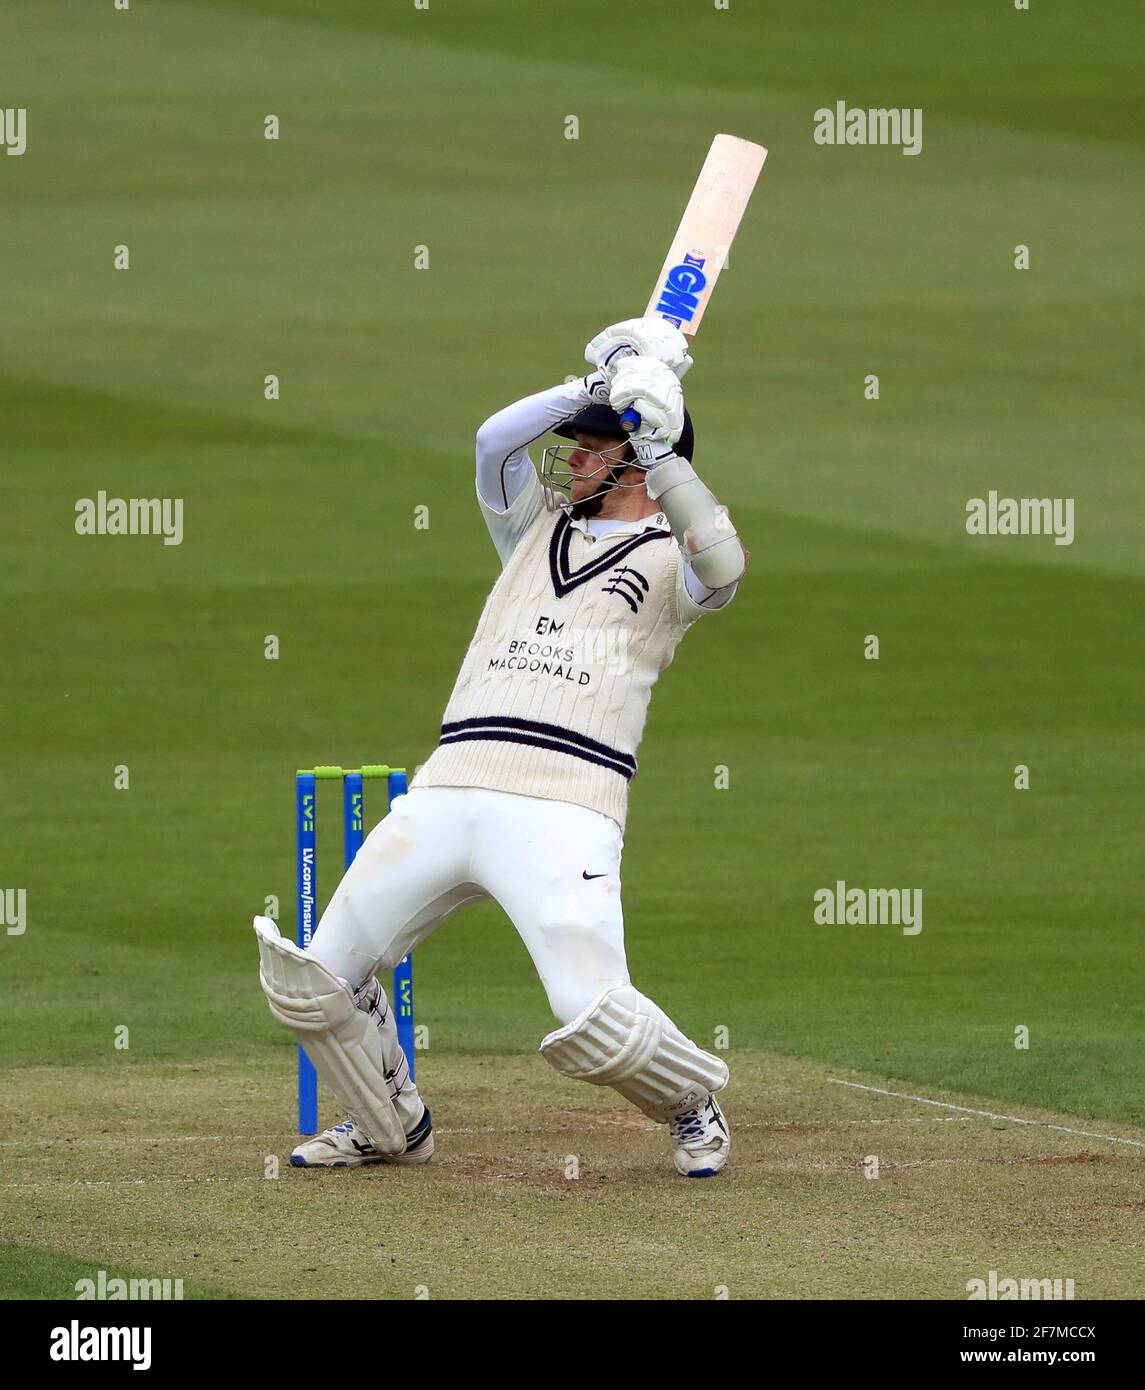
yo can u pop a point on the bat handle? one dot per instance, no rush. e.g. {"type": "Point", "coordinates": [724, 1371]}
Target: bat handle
{"type": "Point", "coordinates": [630, 420]}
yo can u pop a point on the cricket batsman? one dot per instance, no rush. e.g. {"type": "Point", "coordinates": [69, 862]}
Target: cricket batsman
{"type": "Point", "coordinates": [607, 559]}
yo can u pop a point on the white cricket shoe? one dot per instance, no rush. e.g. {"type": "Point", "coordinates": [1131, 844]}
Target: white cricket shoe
{"type": "Point", "coordinates": [701, 1141]}
{"type": "Point", "coordinates": [345, 1146]}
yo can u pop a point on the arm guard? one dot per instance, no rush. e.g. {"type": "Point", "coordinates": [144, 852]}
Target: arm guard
{"type": "Point", "coordinates": [703, 528]}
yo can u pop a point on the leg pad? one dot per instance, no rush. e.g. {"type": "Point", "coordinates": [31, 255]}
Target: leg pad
{"type": "Point", "coordinates": [619, 1042]}
{"type": "Point", "coordinates": [340, 1039]}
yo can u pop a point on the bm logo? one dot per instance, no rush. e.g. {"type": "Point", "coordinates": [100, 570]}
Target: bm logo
{"type": "Point", "coordinates": [681, 290]}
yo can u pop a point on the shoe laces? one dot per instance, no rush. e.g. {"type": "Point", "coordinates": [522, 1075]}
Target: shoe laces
{"type": "Point", "coordinates": [688, 1127]}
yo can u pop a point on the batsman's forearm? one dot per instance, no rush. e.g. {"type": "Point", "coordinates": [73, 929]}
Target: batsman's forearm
{"type": "Point", "coordinates": [703, 528]}
{"type": "Point", "coordinates": [504, 468]}
{"type": "Point", "coordinates": [519, 424]}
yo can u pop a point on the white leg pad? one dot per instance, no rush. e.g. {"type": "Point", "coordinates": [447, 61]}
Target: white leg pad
{"type": "Point", "coordinates": [339, 1038]}
{"type": "Point", "coordinates": [617, 1043]}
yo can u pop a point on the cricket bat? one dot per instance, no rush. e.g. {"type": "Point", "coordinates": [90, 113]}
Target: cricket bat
{"type": "Point", "coordinates": [700, 247]}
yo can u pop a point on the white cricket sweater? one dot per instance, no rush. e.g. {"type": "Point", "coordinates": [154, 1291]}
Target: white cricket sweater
{"type": "Point", "coordinates": [553, 694]}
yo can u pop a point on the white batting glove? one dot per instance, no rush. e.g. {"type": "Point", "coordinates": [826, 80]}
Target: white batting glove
{"type": "Point", "coordinates": [653, 389]}
{"type": "Point", "coordinates": [596, 384]}
{"type": "Point", "coordinates": [648, 337]}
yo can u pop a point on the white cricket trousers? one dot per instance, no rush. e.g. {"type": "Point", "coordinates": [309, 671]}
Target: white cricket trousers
{"type": "Point", "coordinates": [552, 866]}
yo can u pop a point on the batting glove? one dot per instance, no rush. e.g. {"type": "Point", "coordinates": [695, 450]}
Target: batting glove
{"type": "Point", "coordinates": [648, 337]}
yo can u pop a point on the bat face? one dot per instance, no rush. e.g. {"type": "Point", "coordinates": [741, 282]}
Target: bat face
{"type": "Point", "coordinates": [699, 250]}
{"type": "Point", "coordinates": [700, 247]}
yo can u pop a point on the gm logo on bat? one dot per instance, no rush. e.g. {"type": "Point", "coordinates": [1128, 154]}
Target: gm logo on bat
{"type": "Point", "coordinates": [681, 290]}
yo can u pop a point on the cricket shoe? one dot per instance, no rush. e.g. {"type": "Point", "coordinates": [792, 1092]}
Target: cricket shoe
{"type": "Point", "coordinates": [700, 1140]}
{"type": "Point", "coordinates": [345, 1146]}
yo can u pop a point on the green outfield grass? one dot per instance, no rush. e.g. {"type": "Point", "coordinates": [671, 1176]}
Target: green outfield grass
{"type": "Point", "coordinates": [445, 128]}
